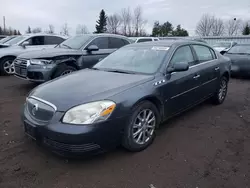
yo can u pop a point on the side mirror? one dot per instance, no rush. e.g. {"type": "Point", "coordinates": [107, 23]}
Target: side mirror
{"type": "Point", "coordinates": [178, 67]}
{"type": "Point", "coordinates": [25, 43]}
{"type": "Point", "coordinates": [92, 48]}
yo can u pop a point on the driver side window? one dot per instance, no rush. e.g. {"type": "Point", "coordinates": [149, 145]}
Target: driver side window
{"type": "Point", "coordinates": [33, 41]}
{"type": "Point", "coordinates": [183, 54]}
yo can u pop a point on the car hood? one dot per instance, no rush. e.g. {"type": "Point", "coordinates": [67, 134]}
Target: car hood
{"type": "Point", "coordinates": [237, 59]}
{"type": "Point", "coordinates": [49, 53]}
{"type": "Point", "coordinates": [4, 45]}
{"type": "Point", "coordinates": [85, 86]}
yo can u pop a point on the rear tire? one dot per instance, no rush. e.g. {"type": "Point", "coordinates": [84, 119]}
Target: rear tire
{"type": "Point", "coordinates": [221, 92]}
{"type": "Point", "coordinates": [63, 70]}
{"type": "Point", "coordinates": [140, 132]}
{"type": "Point", "coordinates": [7, 66]}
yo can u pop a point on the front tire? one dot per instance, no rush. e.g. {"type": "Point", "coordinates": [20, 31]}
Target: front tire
{"type": "Point", "coordinates": [140, 131]}
{"type": "Point", "coordinates": [63, 70]}
{"type": "Point", "coordinates": [7, 66]}
{"type": "Point", "coordinates": [221, 92]}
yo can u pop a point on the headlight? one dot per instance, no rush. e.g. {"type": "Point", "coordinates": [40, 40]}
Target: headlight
{"type": "Point", "coordinates": [89, 113]}
{"type": "Point", "coordinates": [40, 62]}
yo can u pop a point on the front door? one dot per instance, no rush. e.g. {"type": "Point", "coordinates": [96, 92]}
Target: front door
{"type": "Point", "coordinates": [91, 58]}
{"type": "Point", "coordinates": [180, 88]}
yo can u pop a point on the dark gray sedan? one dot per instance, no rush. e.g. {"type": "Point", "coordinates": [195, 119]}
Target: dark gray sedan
{"type": "Point", "coordinates": [124, 98]}
{"type": "Point", "coordinates": [240, 58]}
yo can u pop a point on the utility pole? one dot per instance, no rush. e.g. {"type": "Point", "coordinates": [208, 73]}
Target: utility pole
{"type": "Point", "coordinates": [4, 27]}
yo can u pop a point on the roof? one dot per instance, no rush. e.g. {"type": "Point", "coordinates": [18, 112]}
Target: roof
{"type": "Point", "coordinates": [106, 34]}
{"type": "Point", "coordinates": [165, 43]}
{"type": "Point", "coordinates": [43, 34]}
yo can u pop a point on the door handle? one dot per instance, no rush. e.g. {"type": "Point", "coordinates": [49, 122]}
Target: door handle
{"type": "Point", "coordinates": [197, 76]}
{"type": "Point", "coordinates": [217, 68]}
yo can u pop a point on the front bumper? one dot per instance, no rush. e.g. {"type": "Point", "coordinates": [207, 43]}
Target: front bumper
{"type": "Point", "coordinates": [34, 73]}
{"type": "Point", "coordinates": [75, 140]}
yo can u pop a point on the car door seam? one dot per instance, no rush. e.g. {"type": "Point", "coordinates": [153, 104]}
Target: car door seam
{"type": "Point", "coordinates": [184, 92]}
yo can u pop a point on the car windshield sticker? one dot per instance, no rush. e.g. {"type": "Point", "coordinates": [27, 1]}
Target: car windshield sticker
{"type": "Point", "coordinates": [160, 48]}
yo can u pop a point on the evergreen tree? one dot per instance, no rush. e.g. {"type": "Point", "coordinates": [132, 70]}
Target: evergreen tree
{"type": "Point", "coordinates": [179, 31]}
{"type": "Point", "coordinates": [156, 29]}
{"type": "Point", "coordinates": [18, 32]}
{"type": "Point", "coordinates": [14, 32]}
{"type": "Point", "coordinates": [101, 23]}
{"type": "Point", "coordinates": [246, 30]}
{"type": "Point", "coordinates": [1, 30]}
{"type": "Point", "coordinates": [29, 30]}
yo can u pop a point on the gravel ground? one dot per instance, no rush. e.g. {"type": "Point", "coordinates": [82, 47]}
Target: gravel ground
{"type": "Point", "coordinates": [207, 147]}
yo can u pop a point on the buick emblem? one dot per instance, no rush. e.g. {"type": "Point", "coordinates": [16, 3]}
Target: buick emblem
{"type": "Point", "coordinates": [34, 109]}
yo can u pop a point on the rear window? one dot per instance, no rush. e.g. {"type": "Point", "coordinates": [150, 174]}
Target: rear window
{"type": "Point", "coordinates": [144, 40]}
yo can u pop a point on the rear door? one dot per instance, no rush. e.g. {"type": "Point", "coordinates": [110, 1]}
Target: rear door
{"type": "Point", "coordinates": [209, 69]}
{"type": "Point", "coordinates": [180, 87]}
{"type": "Point", "coordinates": [91, 58]}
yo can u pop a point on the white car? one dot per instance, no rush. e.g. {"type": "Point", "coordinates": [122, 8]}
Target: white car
{"type": "Point", "coordinates": [143, 39]}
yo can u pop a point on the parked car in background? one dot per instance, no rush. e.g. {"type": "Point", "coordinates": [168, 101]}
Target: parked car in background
{"type": "Point", "coordinates": [224, 46]}
{"type": "Point", "coordinates": [78, 52]}
{"type": "Point", "coordinates": [240, 59]}
{"type": "Point", "coordinates": [6, 39]}
{"type": "Point", "coordinates": [124, 97]}
{"type": "Point", "coordinates": [24, 43]}
{"type": "Point", "coordinates": [2, 36]}
{"type": "Point", "coordinates": [143, 39]}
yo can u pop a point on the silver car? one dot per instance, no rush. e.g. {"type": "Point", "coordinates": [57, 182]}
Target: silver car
{"type": "Point", "coordinates": [24, 43]}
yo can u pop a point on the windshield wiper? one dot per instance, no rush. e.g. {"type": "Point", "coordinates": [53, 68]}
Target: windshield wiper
{"type": "Point", "coordinates": [67, 46]}
{"type": "Point", "coordinates": [120, 71]}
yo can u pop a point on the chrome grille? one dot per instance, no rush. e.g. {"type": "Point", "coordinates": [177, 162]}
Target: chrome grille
{"type": "Point", "coordinates": [39, 110]}
{"type": "Point", "coordinates": [20, 66]}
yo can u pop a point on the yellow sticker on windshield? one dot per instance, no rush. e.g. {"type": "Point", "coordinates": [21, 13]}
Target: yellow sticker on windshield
{"type": "Point", "coordinates": [160, 48]}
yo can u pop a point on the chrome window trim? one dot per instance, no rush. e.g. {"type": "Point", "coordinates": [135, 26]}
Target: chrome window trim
{"type": "Point", "coordinates": [44, 101]}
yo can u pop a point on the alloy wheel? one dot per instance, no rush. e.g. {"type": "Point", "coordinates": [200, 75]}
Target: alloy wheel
{"type": "Point", "coordinates": [9, 67]}
{"type": "Point", "coordinates": [144, 126]}
{"type": "Point", "coordinates": [66, 72]}
{"type": "Point", "coordinates": [223, 90]}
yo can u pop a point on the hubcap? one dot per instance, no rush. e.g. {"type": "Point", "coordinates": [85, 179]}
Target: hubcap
{"type": "Point", "coordinates": [8, 67]}
{"type": "Point", "coordinates": [66, 72]}
{"type": "Point", "coordinates": [222, 90]}
{"type": "Point", "coordinates": [144, 126]}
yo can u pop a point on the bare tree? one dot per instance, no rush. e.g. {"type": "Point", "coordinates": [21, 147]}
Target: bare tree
{"type": "Point", "coordinates": [82, 29]}
{"type": "Point", "coordinates": [233, 26]}
{"type": "Point", "coordinates": [126, 21]}
{"type": "Point", "coordinates": [138, 21]}
{"type": "Point", "coordinates": [205, 25]}
{"type": "Point", "coordinates": [51, 29]}
{"type": "Point", "coordinates": [218, 27]}
{"type": "Point", "coordinates": [113, 23]}
{"type": "Point", "coordinates": [37, 30]}
{"type": "Point", "coordinates": [65, 29]}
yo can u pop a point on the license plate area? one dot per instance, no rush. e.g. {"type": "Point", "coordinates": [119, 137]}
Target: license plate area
{"type": "Point", "coordinates": [30, 130]}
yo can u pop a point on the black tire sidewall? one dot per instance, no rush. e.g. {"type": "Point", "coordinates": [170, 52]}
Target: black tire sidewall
{"type": "Point", "coordinates": [3, 60]}
{"type": "Point", "coordinates": [128, 141]}
{"type": "Point", "coordinates": [61, 68]}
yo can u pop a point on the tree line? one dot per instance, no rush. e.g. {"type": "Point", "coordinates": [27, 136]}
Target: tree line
{"type": "Point", "coordinates": [209, 25]}
{"type": "Point", "coordinates": [9, 31]}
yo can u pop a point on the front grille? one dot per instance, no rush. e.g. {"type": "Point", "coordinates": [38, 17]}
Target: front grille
{"type": "Point", "coordinates": [69, 147]}
{"type": "Point", "coordinates": [39, 111]}
{"type": "Point", "coordinates": [20, 66]}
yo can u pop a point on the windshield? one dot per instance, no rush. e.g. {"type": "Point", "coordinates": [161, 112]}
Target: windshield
{"type": "Point", "coordinates": [75, 42]}
{"type": "Point", "coordinates": [135, 59]}
{"type": "Point", "coordinates": [240, 49]}
{"type": "Point", "coordinates": [6, 39]}
{"type": "Point", "coordinates": [15, 40]}
{"type": "Point", "coordinates": [222, 44]}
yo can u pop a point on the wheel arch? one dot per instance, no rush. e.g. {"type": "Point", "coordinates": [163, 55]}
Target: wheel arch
{"type": "Point", "coordinates": [156, 101]}
{"type": "Point", "coordinates": [226, 74]}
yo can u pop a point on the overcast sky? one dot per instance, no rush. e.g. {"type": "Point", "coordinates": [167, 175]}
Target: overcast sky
{"type": "Point", "coordinates": [41, 13]}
